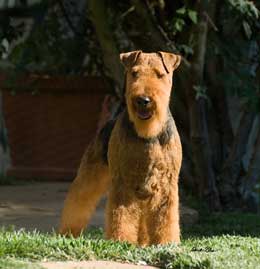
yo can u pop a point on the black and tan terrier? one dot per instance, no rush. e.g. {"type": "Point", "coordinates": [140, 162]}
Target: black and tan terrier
{"type": "Point", "coordinates": [143, 152]}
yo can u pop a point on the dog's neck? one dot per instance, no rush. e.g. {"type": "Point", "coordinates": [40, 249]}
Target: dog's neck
{"type": "Point", "coordinates": [163, 137]}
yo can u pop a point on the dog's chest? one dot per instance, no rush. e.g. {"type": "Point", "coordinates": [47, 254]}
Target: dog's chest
{"type": "Point", "coordinates": [142, 164]}
{"type": "Point", "coordinates": [139, 160]}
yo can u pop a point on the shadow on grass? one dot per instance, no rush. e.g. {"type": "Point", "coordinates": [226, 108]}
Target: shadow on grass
{"type": "Point", "coordinates": [243, 224]}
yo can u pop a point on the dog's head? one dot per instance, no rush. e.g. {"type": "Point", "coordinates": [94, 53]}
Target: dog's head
{"type": "Point", "coordinates": [148, 89]}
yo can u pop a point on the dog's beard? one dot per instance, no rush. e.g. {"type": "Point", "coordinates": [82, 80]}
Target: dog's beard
{"type": "Point", "coordinates": [151, 126]}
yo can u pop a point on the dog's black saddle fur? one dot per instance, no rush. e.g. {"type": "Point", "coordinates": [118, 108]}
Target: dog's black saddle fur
{"type": "Point", "coordinates": [163, 138]}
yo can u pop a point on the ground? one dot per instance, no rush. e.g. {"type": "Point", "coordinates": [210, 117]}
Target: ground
{"type": "Point", "coordinates": [38, 206]}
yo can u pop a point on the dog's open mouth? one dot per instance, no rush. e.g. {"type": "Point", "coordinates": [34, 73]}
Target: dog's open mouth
{"type": "Point", "coordinates": [144, 114]}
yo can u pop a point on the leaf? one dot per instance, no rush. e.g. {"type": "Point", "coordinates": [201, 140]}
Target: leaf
{"type": "Point", "coordinates": [201, 92]}
{"type": "Point", "coordinates": [247, 29]}
{"type": "Point", "coordinates": [186, 49]}
{"type": "Point", "coordinates": [178, 25]}
{"type": "Point", "coordinates": [193, 16]}
{"type": "Point", "coordinates": [255, 12]}
{"type": "Point", "coordinates": [181, 11]}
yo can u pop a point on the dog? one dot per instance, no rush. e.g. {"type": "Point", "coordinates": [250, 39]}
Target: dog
{"type": "Point", "coordinates": [136, 158]}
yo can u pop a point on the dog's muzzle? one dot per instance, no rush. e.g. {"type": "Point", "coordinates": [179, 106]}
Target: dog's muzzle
{"type": "Point", "coordinates": [143, 107]}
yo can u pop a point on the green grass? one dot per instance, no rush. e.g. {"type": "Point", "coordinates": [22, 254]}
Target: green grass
{"type": "Point", "coordinates": [219, 241]}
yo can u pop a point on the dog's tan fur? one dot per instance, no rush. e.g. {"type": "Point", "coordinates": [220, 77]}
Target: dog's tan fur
{"type": "Point", "coordinates": [144, 159]}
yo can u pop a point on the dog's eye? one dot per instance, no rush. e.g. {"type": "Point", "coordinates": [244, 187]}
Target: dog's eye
{"type": "Point", "coordinates": [134, 74]}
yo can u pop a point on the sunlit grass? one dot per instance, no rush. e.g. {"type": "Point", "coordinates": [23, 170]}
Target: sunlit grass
{"type": "Point", "coordinates": [220, 241]}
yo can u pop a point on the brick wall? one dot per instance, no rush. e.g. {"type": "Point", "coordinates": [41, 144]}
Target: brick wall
{"type": "Point", "coordinates": [48, 131]}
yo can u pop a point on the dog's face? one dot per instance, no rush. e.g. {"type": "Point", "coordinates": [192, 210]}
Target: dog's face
{"type": "Point", "coordinates": [148, 89]}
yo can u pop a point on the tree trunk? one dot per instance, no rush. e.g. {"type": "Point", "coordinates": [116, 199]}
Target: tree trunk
{"type": "Point", "coordinates": [201, 148]}
{"type": "Point", "coordinates": [112, 66]}
{"type": "Point", "coordinates": [250, 190]}
{"type": "Point", "coordinates": [4, 147]}
{"type": "Point", "coordinates": [233, 165]}
{"type": "Point", "coordinates": [220, 130]}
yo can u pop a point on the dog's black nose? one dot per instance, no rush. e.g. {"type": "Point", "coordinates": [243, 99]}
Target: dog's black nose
{"type": "Point", "coordinates": [143, 101]}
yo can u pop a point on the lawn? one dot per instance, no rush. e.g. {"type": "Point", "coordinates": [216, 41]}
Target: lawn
{"type": "Point", "coordinates": [218, 241]}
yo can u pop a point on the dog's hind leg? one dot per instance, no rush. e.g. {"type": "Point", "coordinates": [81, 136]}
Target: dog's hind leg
{"type": "Point", "coordinates": [90, 184]}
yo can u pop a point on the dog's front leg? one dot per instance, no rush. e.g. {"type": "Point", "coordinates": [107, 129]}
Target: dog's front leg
{"type": "Point", "coordinates": [122, 218]}
{"type": "Point", "coordinates": [163, 221]}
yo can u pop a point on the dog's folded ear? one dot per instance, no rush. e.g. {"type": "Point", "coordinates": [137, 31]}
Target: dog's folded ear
{"type": "Point", "coordinates": [170, 61]}
{"type": "Point", "coordinates": [128, 59]}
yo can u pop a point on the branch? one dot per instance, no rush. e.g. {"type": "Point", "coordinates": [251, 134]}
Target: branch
{"type": "Point", "coordinates": [113, 68]}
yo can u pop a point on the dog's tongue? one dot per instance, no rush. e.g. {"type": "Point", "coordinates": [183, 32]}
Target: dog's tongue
{"type": "Point", "coordinates": [144, 115]}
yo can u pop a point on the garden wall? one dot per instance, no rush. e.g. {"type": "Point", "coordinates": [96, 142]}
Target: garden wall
{"type": "Point", "coordinates": [50, 121]}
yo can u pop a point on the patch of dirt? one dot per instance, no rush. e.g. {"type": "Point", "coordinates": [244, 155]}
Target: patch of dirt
{"type": "Point", "coordinates": [37, 206]}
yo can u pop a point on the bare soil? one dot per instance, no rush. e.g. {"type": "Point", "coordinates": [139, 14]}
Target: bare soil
{"type": "Point", "coordinates": [37, 206]}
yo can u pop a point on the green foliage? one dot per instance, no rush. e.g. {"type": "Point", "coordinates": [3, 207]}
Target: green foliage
{"type": "Point", "coordinates": [245, 8]}
{"type": "Point", "coordinates": [188, 12]}
{"type": "Point", "coordinates": [185, 49]}
{"type": "Point", "coordinates": [52, 46]}
{"type": "Point", "coordinates": [247, 29]}
{"type": "Point", "coordinates": [237, 21]}
{"type": "Point", "coordinates": [182, 18]}
{"type": "Point", "coordinates": [238, 80]}
{"type": "Point", "coordinates": [47, 49]}
{"type": "Point", "coordinates": [246, 15]}
{"type": "Point", "coordinates": [201, 91]}
{"type": "Point", "coordinates": [178, 24]}
{"type": "Point", "coordinates": [193, 16]}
